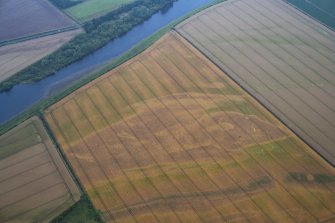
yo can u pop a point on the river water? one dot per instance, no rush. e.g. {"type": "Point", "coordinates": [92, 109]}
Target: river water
{"type": "Point", "coordinates": [22, 96]}
{"type": "Point", "coordinates": [322, 10]}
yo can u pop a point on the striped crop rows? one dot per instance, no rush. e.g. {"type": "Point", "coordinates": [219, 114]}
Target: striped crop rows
{"type": "Point", "coordinates": [35, 186]}
{"type": "Point", "coordinates": [281, 57]}
{"type": "Point", "coordinates": [168, 137]}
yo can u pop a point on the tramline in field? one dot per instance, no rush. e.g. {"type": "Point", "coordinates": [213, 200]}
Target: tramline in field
{"type": "Point", "coordinates": [35, 184]}
{"type": "Point", "coordinates": [22, 18]}
{"type": "Point", "coordinates": [168, 137]}
{"type": "Point", "coordinates": [282, 57]}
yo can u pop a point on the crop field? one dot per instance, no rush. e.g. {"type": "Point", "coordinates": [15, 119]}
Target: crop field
{"type": "Point", "coordinates": [90, 9]}
{"type": "Point", "coordinates": [282, 57]}
{"type": "Point", "coordinates": [20, 18]}
{"type": "Point", "coordinates": [15, 57]}
{"type": "Point", "coordinates": [168, 137]}
{"type": "Point", "coordinates": [35, 185]}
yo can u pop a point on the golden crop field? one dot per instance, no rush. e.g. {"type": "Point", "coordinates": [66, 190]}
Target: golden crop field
{"type": "Point", "coordinates": [168, 137]}
{"type": "Point", "coordinates": [35, 185]}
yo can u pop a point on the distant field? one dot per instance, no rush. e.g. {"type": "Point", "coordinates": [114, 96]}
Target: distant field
{"type": "Point", "coordinates": [20, 18]}
{"type": "Point", "coordinates": [35, 186]}
{"type": "Point", "coordinates": [94, 8]}
{"type": "Point", "coordinates": [168, 137]}
{"type": "Point", "coordinates": [282, 57]}
{"type": "Point", "coordinates": [15, 57]}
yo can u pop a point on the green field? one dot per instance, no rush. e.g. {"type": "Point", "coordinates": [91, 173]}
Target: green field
{"type": "Point", "coordinates": [94, 8]}
{"type": "Point", "coordinates": [81, 212]}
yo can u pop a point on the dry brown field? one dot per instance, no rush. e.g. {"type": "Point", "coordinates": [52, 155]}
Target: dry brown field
{"type": "Point", "coordinates": [168, 137]}
{"type": "Point", "coordinates": [15, 57]}
{"type": "Point", "coordinates": [35, 185]}
{"type": "Point", "coordinates": [282, 57]}
{"type": "Point", "coordinates": [21, 18]}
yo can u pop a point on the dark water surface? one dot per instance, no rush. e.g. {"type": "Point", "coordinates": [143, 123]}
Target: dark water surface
{"type": "Point", "coordinates": [22, 96]}
{"type": "Point", "coordinates": [322, 10]}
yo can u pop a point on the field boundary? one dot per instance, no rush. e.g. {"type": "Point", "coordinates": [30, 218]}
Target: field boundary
{"type": "Point", "coordinates": [84, 116]}
{"type": "Point", "coordinates": [38, 35]}
{"type": "Point", "coordinates": [52, 159]}
{"type": "Point", "coordinates": [98, 15]}
{"type": "Point", "coordinates": [266, 107]}
{"type": "Point", "coordinates": [39, 107]}
{"type": "Point", "coordinates": [59, 163]}
{"type": "Point", "coordinates": [68, 166]}
{"type": "Point", "coordinates": [240, 84]}
{"type": "Point", "coordinates": [308, 15]}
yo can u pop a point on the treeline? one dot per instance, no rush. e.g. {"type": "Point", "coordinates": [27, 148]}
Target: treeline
{"type": "Point", "coordinates": [64, 4]}
{"type": "Point", "coordinates": [82, 211]}
{"type": "Point", "coordinates": [98, 33]}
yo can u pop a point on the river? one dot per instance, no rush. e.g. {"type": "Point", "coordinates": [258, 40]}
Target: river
{"type": "Point", "coordinates": [322, 10]}
{"type": "Point", "coordinates": [22, 96]}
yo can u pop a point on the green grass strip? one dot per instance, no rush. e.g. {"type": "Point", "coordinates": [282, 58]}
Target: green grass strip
{"type": "Point", "coordinates": [44, 104]}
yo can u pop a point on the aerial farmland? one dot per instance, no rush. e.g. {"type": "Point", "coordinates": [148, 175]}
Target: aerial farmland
{"type": "Point", "coordinates": [29, 31]}
{"type": "Point", "coordinates": [16, 57]}
{"type": "Point", "coordinates": [89, 9]}
{"type": "Point", "coordinates": [35, 183]}
{"type": "Point", "coordinates": [21, 18]}
{"type": "Point", "coordinates": [167, 111]}
{"type": "Point", "coordinates": [169, 137]}
{"type": "Point", "coordinates": [279, 55]}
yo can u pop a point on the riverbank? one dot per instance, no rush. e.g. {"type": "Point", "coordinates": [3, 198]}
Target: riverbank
{"type": "Point", "coordinates": [38, 108]}
{"type": "Point", "coordinates": [98, 33]}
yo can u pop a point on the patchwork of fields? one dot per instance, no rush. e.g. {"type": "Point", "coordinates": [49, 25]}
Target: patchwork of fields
{"type": "Point", "coordinates": [15, 57]}
{"type": "Point", "coordinates": [90, 9]}
{"type": "Point", "coordinates": [20, 18]}
{"type": "Point", "coordinates": [279, 55]}
{"type": "Point", "coordinates": [168, 137]}
{"type": "Point", "coordinates": [35, 184]}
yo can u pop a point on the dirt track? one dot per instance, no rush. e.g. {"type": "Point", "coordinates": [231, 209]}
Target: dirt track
{"type": "Point", "coordinates": [282, 57]}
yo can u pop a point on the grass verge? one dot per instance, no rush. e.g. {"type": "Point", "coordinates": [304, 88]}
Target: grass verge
{"type": "Point", "coordinates": [84, 211]}
{"type": "Point", "coordinates": [39, 107]}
